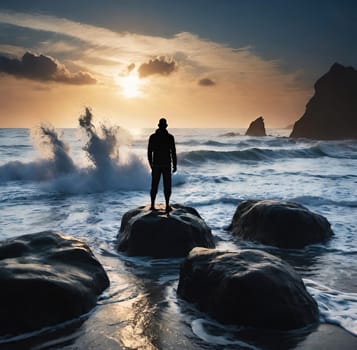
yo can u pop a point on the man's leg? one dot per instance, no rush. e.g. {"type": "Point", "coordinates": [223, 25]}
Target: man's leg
{"type": "Point", "coordinates": [166, 174]}
{"type": "Point", "coordinates": [155, 179]}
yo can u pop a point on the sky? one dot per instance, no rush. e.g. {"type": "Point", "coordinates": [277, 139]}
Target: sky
{"type": "Point", "coordinates": [199, 63]}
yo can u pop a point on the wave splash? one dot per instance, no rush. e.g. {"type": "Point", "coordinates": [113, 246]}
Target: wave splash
{"type": "Point", "coordinates": [114, 165]}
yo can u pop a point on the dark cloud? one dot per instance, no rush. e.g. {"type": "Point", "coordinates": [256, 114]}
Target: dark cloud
{"type": "Point", "coordinates": [206, 82]}
{"type": "Point", "coordinates": [42, 68]}
{"type": "Point", "coordinates": [161, 65]}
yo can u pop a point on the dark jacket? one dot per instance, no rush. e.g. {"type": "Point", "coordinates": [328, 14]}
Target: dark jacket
{"type": "Point", "coordinates": [161, 149]}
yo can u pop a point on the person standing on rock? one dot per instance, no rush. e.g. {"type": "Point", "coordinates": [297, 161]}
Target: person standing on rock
{"type": "Point", "coordinates": [161, 156]}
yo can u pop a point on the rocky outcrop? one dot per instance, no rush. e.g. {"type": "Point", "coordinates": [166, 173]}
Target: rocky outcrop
{"type": "Point", "coordinates": [279, 223]}
{"type": "Point", "coordinates": [248, 288]}
{"type": "Point", "coordinates": [46, 278]}
{"type": "Point", "coordinates": [256, 128]}
{"type": "Point", "coordinates": [331, 113]}
{"type": "Point", "coordinates": [154, 233]}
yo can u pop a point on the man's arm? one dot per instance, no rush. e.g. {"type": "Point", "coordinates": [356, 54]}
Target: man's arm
{"type": "Point", "coordinates": [150, 150]}
{"type": "Point", "coordinates": [173, 155]}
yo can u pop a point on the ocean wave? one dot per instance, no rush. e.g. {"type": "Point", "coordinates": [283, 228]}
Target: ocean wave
{"type": "Point", "coordinates": [249, 154]}
{"type": "Point", "coordinates": [268, 148]}
{"type": "Point", "coordinates": [346, 149]}
{"type": "Point", "coordinates": [113, 165]}
{"type": "Point", "coordinates": [318, 201]}
{"type": "Point", "coordinates": [220, 200]}
{"type": "Point", "coordinates": [204, 143]}
{"type": "Point", "coordinates": [5, 147]}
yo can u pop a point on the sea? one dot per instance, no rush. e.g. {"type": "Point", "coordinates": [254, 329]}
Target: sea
{"type": "Point", "coordinates": [81, 181]}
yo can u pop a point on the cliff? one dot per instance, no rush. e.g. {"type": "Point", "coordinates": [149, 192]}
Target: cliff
{"type": "Point", "coordinates": [331, 114]}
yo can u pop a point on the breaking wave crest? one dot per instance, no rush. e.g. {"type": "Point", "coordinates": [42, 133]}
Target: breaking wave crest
{"type": "Point", "coordinates": [317, 150]}
{"type": "Point", "coordinates": [113, 164]}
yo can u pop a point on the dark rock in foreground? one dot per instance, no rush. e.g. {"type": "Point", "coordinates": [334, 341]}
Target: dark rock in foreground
{"type": "Point", "coordinates": [145, 232]}
{"type": "Point", "coordinates": [279, 223]}
{"type": "Point", "coordinates": [46, 278]}
{"type": "Point", "coordinates": [248, 288]}
{"type": "Point", "coordinates": [256, 128]}
{"type": "Point", "coordinates": [331, 114]}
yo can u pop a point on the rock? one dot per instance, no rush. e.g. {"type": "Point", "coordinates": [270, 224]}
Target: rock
{"type": "Point", "coordinates": [46, 278]}
{"type": "Point", "coordinates": [230, 134]}
{"type": "Point", "coordinates": [279, 223]}
{"type": "Point", "coordinates": [247, 288]}
{"type": "Point", "coordinates": [331, 114]}
{"type": "Point", "coordinates": [256, 128]}
{"type": "Point", "coordinates": [145, 232]}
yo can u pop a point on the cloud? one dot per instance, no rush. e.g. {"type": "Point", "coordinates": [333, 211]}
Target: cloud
{"type": "Point", "coordinates": [197, 56]}
{"type": "Point", "coordinates": [244, 77]}
{"type": "Point", "coordinates": [161, 65]}
{"type": "Point", "coordinates": [42, 68]}
{"type": "Point", "coordinates": [206, 82]}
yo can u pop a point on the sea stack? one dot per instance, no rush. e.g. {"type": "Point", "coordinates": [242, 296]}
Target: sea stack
{"type": "Point", "coordinates": [256, 128]}
{"type": "Point", "coordinates": [331, 114]}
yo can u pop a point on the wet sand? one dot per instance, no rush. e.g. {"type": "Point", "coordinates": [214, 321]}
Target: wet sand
{"type": "Point", "coordinates": [329, 337]}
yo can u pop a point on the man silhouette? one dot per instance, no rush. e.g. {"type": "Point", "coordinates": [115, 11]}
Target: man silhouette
{"type": "Point", "coordinates": [161, 155]}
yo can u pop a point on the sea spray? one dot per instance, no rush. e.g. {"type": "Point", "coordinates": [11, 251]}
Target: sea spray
{"type": "Point", "coordinates": [102, 150]}
{"type": "Point", "coordinates": [55, 162]}
{"type": "Point", "coordinates": [114, 165]}
{"type": "Point", "coordinates": [49, 140]}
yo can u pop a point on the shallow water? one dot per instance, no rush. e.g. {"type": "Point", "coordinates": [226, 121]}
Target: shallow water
{"type": "Point", "coordinates": [77, 182]}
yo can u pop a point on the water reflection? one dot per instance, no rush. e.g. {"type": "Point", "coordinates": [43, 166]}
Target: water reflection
{"type": "Point", "coordinates": [141, 310]}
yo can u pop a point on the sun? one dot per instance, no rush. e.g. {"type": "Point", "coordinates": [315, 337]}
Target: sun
{"type": "Point", "coordinates": [130, 86]}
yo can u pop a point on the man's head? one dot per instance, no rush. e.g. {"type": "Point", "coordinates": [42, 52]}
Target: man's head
{"type": "Point", "coordinates": [162, 123]}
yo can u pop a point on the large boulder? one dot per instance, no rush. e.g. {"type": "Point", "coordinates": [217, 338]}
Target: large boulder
{"type": "Point", "coordinates": [154, 233]}
{"type": "Point", "coordinates": [46, 278]}
{"type": "Point", "coordinates": [279, 223]}
{"type": "Point", "coordinates": [256, 128]}
{"type": "Point", "coordinates": [248, 288]}
{"type": "Point", "coordinates": [332, 112]}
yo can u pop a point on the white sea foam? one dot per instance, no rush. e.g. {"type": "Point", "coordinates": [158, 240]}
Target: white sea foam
{"type": "Point", "coordinates": [114, 166]}
{"type": "Point", "coordinates": [33, 196]}
{"type": "Point", "coordinates": [335, 307]}
{"type": "Point", "coordinates": [198, 328]}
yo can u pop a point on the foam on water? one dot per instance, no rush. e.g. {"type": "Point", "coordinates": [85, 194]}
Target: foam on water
{"type": "Point", "coordinates": [335, 307]}
{"type": "Point", "coordinates": [215, 175]}
{"type": "Point", "coordinates": [114, 165]}
{"type": "Point", "coordinates": [199, 329]}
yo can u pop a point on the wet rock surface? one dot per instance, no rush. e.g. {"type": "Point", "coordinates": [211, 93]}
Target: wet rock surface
{"type": "Point", "coordinates": [155, 233]}
{"type": "Point", "coordinates": [46, 278]}
{"type": "Point", "coordinates": [249, 288]}
{"type": "Point", "coordinates": [279, 223]}
{"type": "Point", "coordinates": [256, 128]}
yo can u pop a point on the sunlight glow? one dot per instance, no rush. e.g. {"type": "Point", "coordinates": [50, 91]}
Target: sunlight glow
{"type": "Point", "coordinates": [130, 86]}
